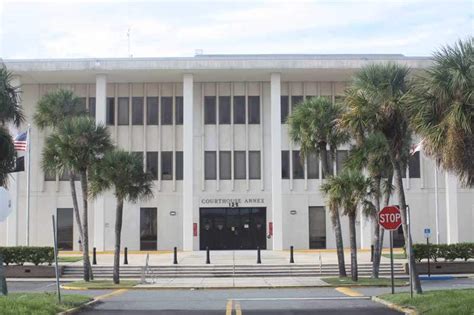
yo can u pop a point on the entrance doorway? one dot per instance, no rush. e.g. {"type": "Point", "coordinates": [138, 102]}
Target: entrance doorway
{"type": "Point", "coordinates": [232, 228]}
{"type": "Point", "coordinates": [317, 227]}
{"type": "Point", "coordinates": [65, 233]}
{"type": "Point", "coordinates": [148, 229]}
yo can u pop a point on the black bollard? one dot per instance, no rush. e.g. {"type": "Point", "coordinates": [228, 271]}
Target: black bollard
{"type": "Point", "coordinates": [94, 256]}
{"type": "Point", "coordinates": [175, 260]}
{"type": "Point", "coordinates": [208, 256]}
{"type": "Point", "coordinates": [292, 260]}
{"type": "Point", "coordinates": [259, 258]}
{"type": "Point", "coordinates": [371, 253]}
{"type": "Point", "coordinates": [125, 258]}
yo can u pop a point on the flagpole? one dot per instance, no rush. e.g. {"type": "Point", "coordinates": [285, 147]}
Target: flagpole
{"type": "Point", "coordinates": [28, 138]}
{"type": "Point", "coordinates": [436, 202]}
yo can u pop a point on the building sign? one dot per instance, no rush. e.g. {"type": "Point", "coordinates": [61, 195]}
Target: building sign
{"type": "Point", "coordinates": [232, 202]}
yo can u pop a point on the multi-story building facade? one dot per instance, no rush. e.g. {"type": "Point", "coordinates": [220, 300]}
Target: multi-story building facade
{"type": "Point", "coordinates": [211, 130]}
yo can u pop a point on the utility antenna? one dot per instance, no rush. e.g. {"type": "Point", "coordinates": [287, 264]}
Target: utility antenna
{"type": "Point", "coordinates": [129, 31]}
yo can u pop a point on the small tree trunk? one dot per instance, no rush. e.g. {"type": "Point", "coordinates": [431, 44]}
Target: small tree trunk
{"type": "Point", "coordinates": [352, 233]}
{"type": "Point", "coordinates": [85, 222]}
{"type": "Point", "coordinates": [75, 206]}
{"type": "Point", "coordinates": [403, 211]}
{"type": "Point", "coordinates": [336, 222]}
{"type": "Point", "coordinates": [376, 235]}
{"type": "Point", "coordinates": [118, 233]}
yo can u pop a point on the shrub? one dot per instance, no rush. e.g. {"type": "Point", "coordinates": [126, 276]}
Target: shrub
{"type": "Point", "coordinates": [447, 252]}
{"type": "Point", "coordinates": [19, 255]}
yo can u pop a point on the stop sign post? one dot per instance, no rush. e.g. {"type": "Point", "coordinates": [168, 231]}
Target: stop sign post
{"type": "Point", "coordinates": [390, 219]}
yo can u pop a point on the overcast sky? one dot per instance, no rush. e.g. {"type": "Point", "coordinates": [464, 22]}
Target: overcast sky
{"type": "Point", "coordinates": [70, 29]}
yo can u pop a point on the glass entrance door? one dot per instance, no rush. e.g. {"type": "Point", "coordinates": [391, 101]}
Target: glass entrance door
{"type": "Point", "coordinates": [317, 227]}
{"type": "Point", "coordinates": [148, 229]}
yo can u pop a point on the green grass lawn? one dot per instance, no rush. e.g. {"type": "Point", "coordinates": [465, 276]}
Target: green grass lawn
{"type": "Point", "coordinates": [443, 302]}
{"type": "Point", "coordinates": [38, 303]}
{"type": "Point", "coordinates": [395, 256]}
{"type": "Point", "coordinates": [69, 258]}
{"type": "Point", "coordinates": [102, 284]}
{"type": "Point", "coordinates": [347, 282]}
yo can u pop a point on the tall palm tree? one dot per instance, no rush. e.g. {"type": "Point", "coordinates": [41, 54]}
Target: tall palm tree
{"type": "Point", "coordinates": [442, 107]}
{"type": "Point", "coordinates": [348, 191]}
{"type": "Point", "coordinates": [123, 172]}
{"type": "Point", "coordinates": [385, 87]}
{"type": "Point", "coordinates": [10, 112]}
{"type": "Point", "coordinates": [313, 126]}
{"type": "Point", "coordinates": [77, 145]}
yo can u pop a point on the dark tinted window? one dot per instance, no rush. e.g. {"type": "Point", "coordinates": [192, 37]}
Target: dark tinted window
{"type": "Point", "coordinates": [414, 165]}
{"type": "Point", "coordinates": [210, 165]}
{"type": "Point", "coordinates": [166, 110]}
{"type": "Point", "coordinates": [224, 110]}
{"type": "Point", "coordinates": [110, 111]}
{"type": "Point", "coordinates": [91, 108]}
{"type": "Point", "coordinates": [296, 101]}
{"type": "Point", "coordinates": [179, 165]}
{"type": "Point", "coordinates": [82, 104]}
{"type": "Point", "coordinates": [239, 109]}
{"type": "Point", "coordinates": [209, 110]}
{"type": "Point", "coordinates": [137, 110]}
{"type": "Point", "coordinates": [239, 165]}
{"type": "Point", "coordinates": [166, 165]}
{"type": "Point", "coordinates": [254, 109]}
{"type": "Point", "coordinates": [285, 164]}
{"type": "Point", "coordinates": [284, 108]}
{"type": "Point", "coordinates": [298, 169]}
{"type": "Point", "coordinates": [65, 225]}
{"type": "Point", "coordinates": [179, 110]}
{"type": "Point", "coordinates": [123, 113]}
{"type": "Point", "coordinates": [152, 164]}
{"type": "Point", "coordinates": [225, 165]}
{"type": "Point", "coordinates": [254, 164]}
{"type": "Point", "coordinates": [152, 110]}
{"type": "Point", "coordinates": [341, 157]}
{"type": "Point", "coordinates": [48, 176]}
{"type": "Point", "coordinates": [313, 166]}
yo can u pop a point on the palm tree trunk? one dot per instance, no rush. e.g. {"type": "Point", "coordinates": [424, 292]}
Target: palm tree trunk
{"type": "Point", "coordinates": [386, 201]}
{"type": "Point", "coordinates": [336, 222]}
{"type": "Point", "coordinates": [118, 233]}
{"type": "Point", "coordinates": [85, 222]}
{"type": "Point", "coordinates": [403, 210]}
{"type": "Point", "coordinates": [376, 235]}
{"type": "Point", "coordinates": [352, 234]}
{"type": "Point", "coordinates": [75, 206]}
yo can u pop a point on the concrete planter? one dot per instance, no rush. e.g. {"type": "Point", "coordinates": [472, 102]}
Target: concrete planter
{"type": "Point", "coordinates": [31, 271]}
{"type": "Point", "coordinates": [444, 267]}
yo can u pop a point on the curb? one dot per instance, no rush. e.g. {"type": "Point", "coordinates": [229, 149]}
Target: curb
{"type": "Point", "coordinates": [394, 306]}
{"type": "Point", "coordinates": [79, 308]}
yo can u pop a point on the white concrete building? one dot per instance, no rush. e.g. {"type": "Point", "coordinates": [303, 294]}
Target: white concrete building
{"type": "Point", "coordinates": [211, 130]}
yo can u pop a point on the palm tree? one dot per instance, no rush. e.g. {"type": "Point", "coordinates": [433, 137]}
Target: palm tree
{"type": "Point", "coordinates": [10, 112]}
{"type": "Point", "coordinates": [123, 172]}
{"type": "Point", "coordinates": [442, 106]}
{"type": "Point", "coordinates": [77, 145]}
{"type": "Point", "coordinates": [385, 88]}
{"type": "Point", "coordinates": [348, 191]}
{"type": "Point", "coordinates": [313, 126]}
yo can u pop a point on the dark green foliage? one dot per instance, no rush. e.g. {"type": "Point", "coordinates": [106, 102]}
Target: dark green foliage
{"type": "Point", "coordinates": [447, 252]}
{"type": "Point", "coordinates": [19, 255]}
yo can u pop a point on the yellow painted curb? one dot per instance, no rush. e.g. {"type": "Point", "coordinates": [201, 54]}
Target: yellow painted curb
{"type": "Point", "coordinates": [394, 306]}
{"type": "Point", "coordinates": [228, 308]}
{"type": "Point", "coordinates": [65, 287]}
{"type": "Point", "coordinates": [348, 291]}
{"type": "Point", "coordinates": [114, 293]}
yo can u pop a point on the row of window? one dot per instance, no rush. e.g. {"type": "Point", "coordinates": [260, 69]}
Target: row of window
{"type": "Point", "coordinates": [240, 165]}
{"type": "Point", "coordinates": [242, 111]}
{"type": "Point", "coordinates": [295, 101]}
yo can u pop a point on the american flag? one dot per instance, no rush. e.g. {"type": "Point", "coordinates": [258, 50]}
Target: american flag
{"type": "Point", "coordinates": [21, 142]}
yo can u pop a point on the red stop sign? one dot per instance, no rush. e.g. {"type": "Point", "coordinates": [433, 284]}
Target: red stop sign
{"type": "Point", "coordinates": [390, 218]}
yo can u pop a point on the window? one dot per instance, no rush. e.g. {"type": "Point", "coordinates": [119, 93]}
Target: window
{"type": "Point", "coordinates": [139, 154]}
{"type": "Point", "coordinates": [254, 164]}
{"type": "Point", "coordinates": [239, 165]}
{"type": "Point", "coordinates": [224, 110]}
{"type": "Point", "coordinates": [152, 110]}
{"type": "Point", "coordinates": [225, 165]}
{"type": "Point", "coordinates": [179, 165]}
{"type": "Point", "coordinates": [179, 110]}
{"type": "Point", "coordinates": [254, 109]}
{"type": "Point", "coordinates": [239, 109]}
{"type": "Point", "coordinates": [313, 166]}
{"type": "Point", "coordinates": [148, 228]}
{"type": "Point", "coordinates": [110, 111]}
{"type": "Point", "coordinates": [137, 110]}
{"type": "Point", "coordinates": [81, 104]}
{"type": "Point", "coordinates": [152, 164]}
{"type": "Point", "coordinates": [209, 110]}
{"type": "Point", "coordinates": [285, 164]}
{"type": "Point", "coordinates": [91, 108]}
{"type": "Point", "coordinates": [48, 176]}
{"type": "Point", "coordinates": [414, 165]}
{"type": "Point", "coordinates": [166, 110]}
{"type": "Point", "coordinates": [298, 169]}
{"type": "Point", "coordinates": [308, 97]}
{"type": "Point", "coordinates": [341, 157]}
{"type": "Point", "coordinates": [66, 175]}
{"type": "Point", "coordinates": [166, 165]}
{"type": "Point", "coordinates": [284, 108]}
{"type": "Point", "coordinates": [123, 114]}
{"type": "Point", "coordinates": [210, 165]}
{"type": "Point", "coordinates": [338, 99]}
{"type": "Point", "coordinates": [65, 225]}
{"type": "Point", "coordinates": [296, 101]}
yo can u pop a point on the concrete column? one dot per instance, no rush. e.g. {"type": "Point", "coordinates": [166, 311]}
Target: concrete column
{"type": "Point", "coordinates": [452, 210]}
{"type": "Point", "coordinates": [188, 157]}
{"type": "Point", "coordinates": [99, 202]}
{"type": "Point", "coordinates": [365, 231]}
{"type": "Point", "coordinates": [277, 211]}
